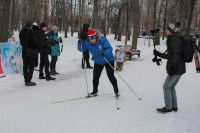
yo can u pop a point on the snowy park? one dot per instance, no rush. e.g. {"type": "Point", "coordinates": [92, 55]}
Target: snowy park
{"type": "Point", "coordinates": [34, 109]}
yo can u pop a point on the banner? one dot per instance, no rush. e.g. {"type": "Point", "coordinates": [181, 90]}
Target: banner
{"type": "Point", "coordinates": [10, 58]}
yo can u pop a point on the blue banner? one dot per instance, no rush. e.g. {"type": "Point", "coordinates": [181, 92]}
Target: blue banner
{"type": "Point", "coordinates": [10, 58]}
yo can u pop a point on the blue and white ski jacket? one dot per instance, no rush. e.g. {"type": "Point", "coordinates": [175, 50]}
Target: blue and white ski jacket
{"type": "Point", "coordinates": [102, 45]}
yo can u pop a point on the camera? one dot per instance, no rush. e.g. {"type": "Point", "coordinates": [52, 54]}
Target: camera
{"type": "Point", "coordinates": [154, 31]}
{"type": "Point", "coordinates": [60, 39]}
{"type": "Point", "coordinates": [157, 60]}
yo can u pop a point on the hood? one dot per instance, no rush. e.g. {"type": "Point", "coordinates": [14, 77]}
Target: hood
{"type": "Point", "coordinates": [98, 35]}
{"type": "Point", "coordinates": [86, 27]}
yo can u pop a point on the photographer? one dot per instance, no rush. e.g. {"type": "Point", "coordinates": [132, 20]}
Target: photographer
{"type": "Point", "coordinates": [44, 49]}
{"type": "Point", "coordinates": [175, 67]}
{"type": "Point", "coordinates": [55, 49]}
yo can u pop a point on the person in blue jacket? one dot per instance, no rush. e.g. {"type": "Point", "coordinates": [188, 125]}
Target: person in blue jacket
{"type": "Point", "coordinates": [55, 49]}
{"type": "Point", "coordinates": [101, 51]}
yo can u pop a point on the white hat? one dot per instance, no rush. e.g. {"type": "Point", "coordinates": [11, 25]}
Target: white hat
{"type": "Point", "coordinates": [35, 24]}
{"type": "Point", "coordinates": [54, 28]}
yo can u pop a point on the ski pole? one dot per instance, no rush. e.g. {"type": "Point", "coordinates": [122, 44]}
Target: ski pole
{"type": "Point", "coordinates": [123, 79]}
{"type": "Point", "coordinates": [84, 69]}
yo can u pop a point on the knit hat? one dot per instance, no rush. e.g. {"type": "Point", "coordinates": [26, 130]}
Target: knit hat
{"type": "Point", "coordinates": [42, 25]}
{"type": "Point", "coordinates": [174, 27]}
{"type": "Point", "coordinates": [54, 28]}
{"type": "Point", "coordinates": [29, 23]}
{"type": "Point", "coordinates": [92, 34]}
{"type": "Point", "coordinates": [35, 24]}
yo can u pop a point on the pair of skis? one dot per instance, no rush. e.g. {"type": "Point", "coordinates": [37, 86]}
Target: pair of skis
{"type": "Point", "coordinates": [86, 97]}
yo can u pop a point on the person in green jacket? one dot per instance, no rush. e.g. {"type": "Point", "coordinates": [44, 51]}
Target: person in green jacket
{"type": "Point", "coordinates": [55, 50]}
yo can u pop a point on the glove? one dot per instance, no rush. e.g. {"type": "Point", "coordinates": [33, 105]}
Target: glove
{"type": "Point", "coordinates": [60, 40]}
{"type": "Point", "coordinates": [80, 41]}
{"type": "Point", "coordinates": [156, 53]}
{"type": "Point", "coordinates": [101, 54]}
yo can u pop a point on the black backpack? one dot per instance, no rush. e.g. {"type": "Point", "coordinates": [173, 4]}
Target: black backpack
{"type": "Point", "coordinates": [187, 50]}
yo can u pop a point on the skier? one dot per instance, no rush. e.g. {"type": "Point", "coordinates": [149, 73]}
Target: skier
{"type": "Point", "coordinates": [175, 67]}
{"type": "Point", "coordinates": [55, 50]}
{"type": "Point", "coordinates": [86, 54]}
{"type": "Point", "coordinates": [44, 49]}
{"type": "Point", "coordinates": [27, 41]}
{"type": "Point", "coordinates": [119, 59]}
{"type": "Point", "coordinates": [101, 51]}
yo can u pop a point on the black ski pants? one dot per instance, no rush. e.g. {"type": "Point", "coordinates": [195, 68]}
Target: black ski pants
{"type": "Point", "coordinates": [44, 62]}
{"type": "Point", "coordinates": [86, 56]}
{"type": "Point", "coordinates": [28, 69]}
{"type": "Point", "coordinates": [110, 73]}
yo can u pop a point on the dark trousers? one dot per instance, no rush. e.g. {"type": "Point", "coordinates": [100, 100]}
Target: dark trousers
{"type": "Point", "coordinates": [110, 73]}
{"type": "Point", "coordinates": [28, 69]}
{"type": "Point", "coordinates": [53, 62]}
{"type": "Point", "coordinates": [44, 63]}
{"type": "Point", "coordinates": [86, 56]}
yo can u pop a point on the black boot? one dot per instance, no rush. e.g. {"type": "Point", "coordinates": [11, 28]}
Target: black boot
{"type": "Point", "coordinates": [93, 94]}
{"type": "Point", "coordinates": [52, 72]}
{"type": "Point", "coordinates": [89, 67]}
{"type": "Point", "coordinates": [49, 78]}
{"type": "Point", "coordinates": [56, 72]}
{"type": "Point", "coordinates": [30, 84]}
{"type": "Point", "coordinates": [163, 110]}
{"type": "Point", "coordinates": [117, 94]}
{"type": "Point", "coordinates": [42, 77]}
{"type": "Point", "coordinates": [175, 109]}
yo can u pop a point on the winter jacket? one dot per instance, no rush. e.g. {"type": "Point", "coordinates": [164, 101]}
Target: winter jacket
{"type": "Point", "coordinates": [175, 65]}
{"type": "Point", "coordinates": [120, 56]}
{"type": "Point", "coordinates": [55, 49]}
{"type": "Point", "coordinates": [103, 46]}
{"type": "Point", "coordinates": [44, 42]}
{"type": "Point", "coordinates": [27, 40]}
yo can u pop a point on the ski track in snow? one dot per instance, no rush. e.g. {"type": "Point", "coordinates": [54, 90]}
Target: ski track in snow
{"type": "Point", "coordinates": [31, 109]}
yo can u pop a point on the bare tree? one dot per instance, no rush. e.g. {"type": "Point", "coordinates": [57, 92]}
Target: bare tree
{"type": "Point", "coordinates": [192, 5]}
{"type": "Point", "coordinates": [136, 22]}
{"type": "Point", "coordinates": [72, 22]}
{"type": "Point", "coordinates": [95, 14]}
{"type": "Point", "coordinates": [4, 15]}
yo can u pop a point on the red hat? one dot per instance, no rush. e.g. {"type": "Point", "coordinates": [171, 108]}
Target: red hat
{"type": "Point", "coordinates": [92, 34]}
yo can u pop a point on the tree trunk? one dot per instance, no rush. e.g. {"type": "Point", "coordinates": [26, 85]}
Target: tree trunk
{"type": "Point", "coordinates": [53, 4]}
{"type": "Point", "coordinates": [118, 23]}
{"type": "Point", "coordinates": [136, 22]}
{"type": "Point", "coordinates": [192, 5]}
{"type": "Point", "coordinates": [154, 14]}
{"type": "Point", "coordinates": [80, 18]}
{"type": "Point", "coordinates": [72, 22]}
{"type": "Point", "coordinates": [95, 14]}
{"type": "Point", "coordinates": [106, 19]}
{"type": "Point", "coordinates": [65, 19]}
{"type": "Point", "coordinates": [161, 14]}
{"type": "Point", "coordinates": [165, 19]}
{"type": "Point", "coordinates": [4, 15]}
{"type": "Point", "coordinates": [127, 23]}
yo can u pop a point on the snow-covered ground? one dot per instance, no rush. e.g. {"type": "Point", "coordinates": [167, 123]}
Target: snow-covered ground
{"type": "Point", "coordinates": [33, 109]}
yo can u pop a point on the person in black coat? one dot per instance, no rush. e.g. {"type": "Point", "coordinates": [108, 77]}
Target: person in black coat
{"type": "Point", "coordinates": [86, 54]}
{"type": "Point", "coordinates": [175, 67]}
{"type": "Point", "coordinates": [27, 41]}
{"type": "Point", "coordinates": [44, 49]}
{"type": "Point", "coordinates": [35, 32]}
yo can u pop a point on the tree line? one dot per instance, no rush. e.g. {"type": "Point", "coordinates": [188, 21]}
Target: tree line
{"type": "Point", "coordinates": [123, 17]}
